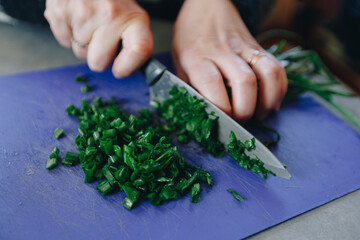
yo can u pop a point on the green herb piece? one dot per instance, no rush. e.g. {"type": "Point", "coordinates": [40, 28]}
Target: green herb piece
{"type": "Point", "coordinates": [58, 133]}
{"type": "Point", "coordinates": [55, 152]}
{"type": "Point", "coordinates": [132, 197]}
{"type": "Point", "coordinates": [53, 158]}
{"type": "Point", "coordinates": [259, 125]}
{"type": "Point", "coordinates": [89, 170]}
{"type": "Point", "coordinates": [168, 193]}
{"type": "Point", "coordinates": [72, 110]}
{"type": "Point", "coordinates": [122, 174]}
{"type": "Point", "coordinates": [86, 88]}
{"type": "Point", "coordinates": [51, 163]}
{"type": "Point", "coordinates": [80, 79]}
{"type": "Point", "coordinates": [71, 158]}
{"type": "Point", "coordinates": [109, 133]}
{"type": "Point", "coordinates": [235, 194]}
{"type": "Point", "coordinates": [90, 151]}
{"type": "Point", "coordinates": [104, 187]}
{"type": "Point", "coordinates": [237, 152]}
{"type": "Point", "coordinates": [108, 175]}
{"type": "Point", "coordinates": [195, 193]}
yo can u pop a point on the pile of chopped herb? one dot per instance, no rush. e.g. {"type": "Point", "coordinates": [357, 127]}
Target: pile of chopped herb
{"type": "Point", "coordinates": [126, 154]}
{"type": "Point", "coordinates": [186, 114]}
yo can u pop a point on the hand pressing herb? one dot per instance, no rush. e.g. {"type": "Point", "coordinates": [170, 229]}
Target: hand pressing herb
{"type": "Point", "coordinates": [126, 154]}
{"type": "Point", "coordinates": [186, 115]}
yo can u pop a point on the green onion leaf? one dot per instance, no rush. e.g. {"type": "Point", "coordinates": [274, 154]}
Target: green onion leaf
{"type": "Point", "coordinates": [58, 132]}
{"type": "Point", "coordinates": [235, 194]}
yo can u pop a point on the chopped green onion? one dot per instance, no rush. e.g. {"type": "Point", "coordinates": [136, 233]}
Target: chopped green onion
{"type": "Point", "coordinates": [235, 194]}
{"type": "Point", "coordinates": [80, 79]}
{"type": "Point", "coordinates": [51, 163]}
{"type": "Point", "coordinates": [58, 132]}
{"type": "Point", "coordinates": [104, 187]}
{"type": "Point", "coordinates": [71, 158]}
{"type": "Point", "coordinates": [195, 193]}
{"type": "Point", "coordinates": [126, 152]}
{"type": "Point", "coordinates": [86, 88]}
{"type": "Point", "coordinates": [109, 133]}
{"type": "Point", "coordinates": [237, 152]}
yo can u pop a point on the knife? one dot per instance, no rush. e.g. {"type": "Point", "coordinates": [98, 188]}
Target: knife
{"type": "Point", "coordinates": [161, 81]}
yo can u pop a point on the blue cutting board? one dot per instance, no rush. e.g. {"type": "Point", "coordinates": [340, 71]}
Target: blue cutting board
{"type": "Point", "coordinates": [321, 151]}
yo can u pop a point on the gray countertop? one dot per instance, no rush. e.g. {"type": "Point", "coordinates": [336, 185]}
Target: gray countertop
{"type": "Point", "coordinates": [25, 47]}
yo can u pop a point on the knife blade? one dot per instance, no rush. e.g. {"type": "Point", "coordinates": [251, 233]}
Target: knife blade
{"type": "Point", "coordinates": [161, 81]}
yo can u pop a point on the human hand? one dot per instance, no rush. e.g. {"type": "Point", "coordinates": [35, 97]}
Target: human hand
{"type": "Point", "coordinates": [211, 45]}
{"type": "Point", "coordinates": [94, 28]}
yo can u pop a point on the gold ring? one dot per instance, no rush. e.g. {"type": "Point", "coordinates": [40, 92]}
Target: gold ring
{"type": "Point", "coordinates": [255, 57]}
{"type": "Point", "coordinates": [79, 44]}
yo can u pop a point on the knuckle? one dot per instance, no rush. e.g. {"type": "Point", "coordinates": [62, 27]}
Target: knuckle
{"type": "Point", "coordinates": [47, 14]}
{"type": "Point", "coordinates": [248, 79]}
{"type": "Point", "coordinates": [84, 12]}
{"type": "Point", "coordinates": [142, 48]}
{"type": "Point", "coordinates": [223, 46]}
{"type": "Point", "coordinates": [59, 10]}
{"type": "Point", "coordinates": [274, 72]}
{"type": "Point", "coordinates": [142, 15]}
{"type": "Point", "coordinates": [53, 16]}
{"type": "Point", "coordinates": [111, 10]}
{"type": "Point", "coordinates": [211, 79]}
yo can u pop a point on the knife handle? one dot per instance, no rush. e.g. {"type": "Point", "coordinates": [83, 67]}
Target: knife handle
{"type": "Point", "coordinates": [153, 70]}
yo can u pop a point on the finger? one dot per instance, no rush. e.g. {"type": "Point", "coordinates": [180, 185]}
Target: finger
{"type": "Point", "coordinates": [206, 78]}
{"type": "Point", "coordinates": [83, 24]}
{"type": "Point", "coordinates": [60, 28]}
{"type": "Point", "coordinates": [179, 70]}
{"type": "Point", "coordinates": [284, 88]}
{"type": "Point", "coordinates": [102, 48]}
{"type": "Point", "coordinates": [242, 81]}
{"type": "Point", "coordinates": [79, 48]}
{"type": "Point", "coordinates": [137, 44]}
{"type": "Point", "coordinates": [272, 84]}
